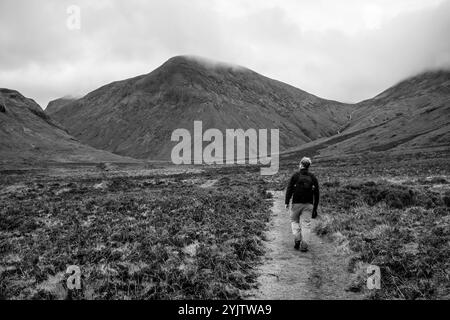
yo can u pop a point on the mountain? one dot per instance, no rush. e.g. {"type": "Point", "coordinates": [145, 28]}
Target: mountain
{"type": "Point", "coordinates": [412, 116]}
{"type": "Point", "coordinates": [57, 104]}
{"type": "Point", "coordinates": [27, 134]}
{"type": "Point", "coordinates": [135, 117]}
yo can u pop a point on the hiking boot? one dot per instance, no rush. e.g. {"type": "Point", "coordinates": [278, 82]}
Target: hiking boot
{"type": "Point", "coordinates": [297, 244]}
{"type": "Point", "coordinates": [303, 247]}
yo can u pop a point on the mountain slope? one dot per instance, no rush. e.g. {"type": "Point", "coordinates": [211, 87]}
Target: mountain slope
{"type": "Point", "coordinates": [57, 104]}
{"type": "Point", "coordinates": [135, 117]}
{"type": "Point", "coordinates": [413, 115]}
{"type": "Point", "coordinates": [28, 134]}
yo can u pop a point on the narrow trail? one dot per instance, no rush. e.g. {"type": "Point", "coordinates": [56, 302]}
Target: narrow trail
{"type": "Point", "coordinates": [289, 274]}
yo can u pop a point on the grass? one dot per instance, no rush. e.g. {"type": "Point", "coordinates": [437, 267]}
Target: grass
{"type": "Point", "coordinates": [403, 229]}
{"type": "Point", "coordinates": [133, 238]}
{"type": "Point", "coordinates": [170, 233]}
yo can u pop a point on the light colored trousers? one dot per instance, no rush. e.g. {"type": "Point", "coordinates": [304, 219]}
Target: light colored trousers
{"type": "Point", "coordinates": [301, 221]}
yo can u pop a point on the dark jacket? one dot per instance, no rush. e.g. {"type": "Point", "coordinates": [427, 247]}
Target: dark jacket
{"type": "Point", "coordinates": [303, 187]}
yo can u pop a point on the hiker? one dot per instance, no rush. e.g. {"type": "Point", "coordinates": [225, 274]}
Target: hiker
{"type": "Point", "coordinates": [303, 188]}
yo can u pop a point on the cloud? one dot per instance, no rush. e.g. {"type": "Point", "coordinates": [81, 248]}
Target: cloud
{"type": "Point", "coordinates": [346, 51]}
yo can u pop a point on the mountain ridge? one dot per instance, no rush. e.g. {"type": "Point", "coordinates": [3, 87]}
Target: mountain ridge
{"type": "Point", "coordinates": [144, 110]}
{"type": "Point", "coordinates": [27, 134]}
{"type": "Point", "coordinates": [412, 113]}
{"type": "Point", "coordinates": [411, 116]}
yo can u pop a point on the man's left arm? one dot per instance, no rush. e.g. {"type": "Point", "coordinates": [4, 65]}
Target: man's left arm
{"type": "Point", "coordinates": [316, 194]}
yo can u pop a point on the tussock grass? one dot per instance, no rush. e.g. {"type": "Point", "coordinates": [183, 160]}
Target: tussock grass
{"type": "Point", "coordinates": [150, 238]}
{"type": "Point", "coordinates": [405, 230]}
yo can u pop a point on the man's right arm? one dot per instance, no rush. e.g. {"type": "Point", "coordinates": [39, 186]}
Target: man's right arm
{"type": "Point", "coordinates": [290, 189]}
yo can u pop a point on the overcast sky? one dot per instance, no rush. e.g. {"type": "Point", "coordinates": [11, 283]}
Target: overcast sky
{"type": "Point", "coordinates": [347, 50]}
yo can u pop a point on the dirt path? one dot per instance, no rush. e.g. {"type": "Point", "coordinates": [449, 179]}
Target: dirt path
{"type": "Point", "coordinates": [290, 274]}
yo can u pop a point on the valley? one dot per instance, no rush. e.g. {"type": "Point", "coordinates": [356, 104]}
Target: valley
{"type": "Point", "coordinates": [90, 182]}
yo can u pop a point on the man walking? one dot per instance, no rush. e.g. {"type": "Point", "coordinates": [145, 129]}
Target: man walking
{"type": "Point", "coordinates": [303, 188]}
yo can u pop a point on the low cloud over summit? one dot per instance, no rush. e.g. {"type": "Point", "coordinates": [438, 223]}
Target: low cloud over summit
{"type": "Point", "coordinates": [347, 51]}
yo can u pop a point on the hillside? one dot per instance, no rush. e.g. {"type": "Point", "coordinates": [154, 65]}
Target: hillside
{"type": "Point", "coordinates": [27, 135]}
{"type": "Point", "coordinates": [412, 116]}
{"type": "Point", "coordinates": [54, 105]}
{"type": "Point", "coordinates": [135, 117]}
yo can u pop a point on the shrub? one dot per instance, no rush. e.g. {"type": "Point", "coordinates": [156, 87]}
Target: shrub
{"type": "Point", "coordinates": [446, 199]}
{"type": "Point", "coordinates": [394, 195]}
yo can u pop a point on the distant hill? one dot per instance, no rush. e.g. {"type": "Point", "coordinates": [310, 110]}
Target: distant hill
{"type": "Point", "coordinates": [135, 117]}
{"type": "Point", "coordinates": [57, 104]}
{"type": "Point", "coordinates": [413, 115]}
{"type": "Point", "coordinates": [27, 134]}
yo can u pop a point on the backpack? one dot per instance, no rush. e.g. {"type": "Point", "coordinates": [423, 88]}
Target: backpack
{"type": "Point", "coordinates": [304, 184]}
